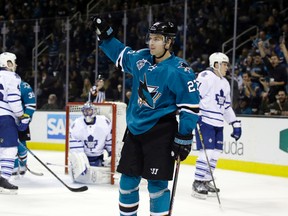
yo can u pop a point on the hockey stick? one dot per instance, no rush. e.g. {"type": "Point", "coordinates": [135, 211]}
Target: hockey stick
{"type": "Point", "coordinates": [80, 189]}
{"type": "Point", "coordinates": [54, 164]}
{"type": "Point", "coordinates": [32, 172]}
{"type": "Point", "coordinates": [204, 149]}
{"type": "Point", "coordinates": [63, 165]}
{"type": "Point", "coordinates": [174, 185]}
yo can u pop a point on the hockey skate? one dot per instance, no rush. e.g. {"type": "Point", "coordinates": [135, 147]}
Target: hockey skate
{"type": "Point", "coordinates": [199, 189]}
{"type": "Point", "coordinates": [6, 187]}
{"type": "Point", "coordinates": [211, 189]}
{"type": "Point", "coordinates": [21, 170]}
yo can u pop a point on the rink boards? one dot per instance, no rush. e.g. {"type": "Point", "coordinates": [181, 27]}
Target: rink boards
{"type": "Point", "coordinates": [263, 147]}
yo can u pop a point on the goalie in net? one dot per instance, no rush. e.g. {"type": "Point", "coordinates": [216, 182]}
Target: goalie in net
{"type": "Point", "coordinates": [89, 138]}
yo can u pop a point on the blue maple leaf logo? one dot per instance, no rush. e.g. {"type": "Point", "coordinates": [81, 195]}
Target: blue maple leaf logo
{"type": "Point", "coordinates": [90, 142]}
{"type": "Point", "coordinates": [220, 98]}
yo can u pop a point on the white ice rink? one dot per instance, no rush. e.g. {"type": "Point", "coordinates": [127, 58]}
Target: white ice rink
{"type": "Point", "coordinates": [241, 194]}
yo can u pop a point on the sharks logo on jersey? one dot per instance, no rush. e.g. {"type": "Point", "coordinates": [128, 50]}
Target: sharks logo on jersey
{"type": "Point", "coordinates": [185, 66]}
{"type": "Point", "coordinates": [90, 142]}
{"type": "Point", "coordinates": [152, 67]}
{"type": "Point", "coordinates": [148, 95]}
{"type": "Point", "coordinates": [220, 98]}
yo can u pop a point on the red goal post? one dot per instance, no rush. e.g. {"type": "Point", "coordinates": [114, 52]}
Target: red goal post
{"type": "Point", "coordinates": [115, 111]}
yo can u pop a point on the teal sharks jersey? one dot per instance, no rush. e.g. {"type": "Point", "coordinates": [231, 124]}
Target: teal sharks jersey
{"type": "Point", "coordinates": [28, 98]}
{"type": "Point", "coordinates": [157, 89]}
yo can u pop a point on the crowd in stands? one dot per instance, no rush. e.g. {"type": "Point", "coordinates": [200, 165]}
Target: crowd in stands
{"type": "Point", "coordinates": [259, 74]}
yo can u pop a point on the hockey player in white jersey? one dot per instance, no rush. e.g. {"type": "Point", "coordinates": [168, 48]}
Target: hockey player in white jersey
{"type": "Point", "coordinates": [215, 108]}
{"type": "Point", "coordinates": [89, 136]}
{"type": "Point", "coordinates": [12, 119]}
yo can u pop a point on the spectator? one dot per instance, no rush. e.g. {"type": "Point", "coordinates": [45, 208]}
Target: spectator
{"type": "Point", "coordinates": [276, 70]}
{"type": "Point", "coordinates": [46, 87]}
{"type": "Point", "coordinates": [280, 106]}
{"type": "Point", "coordinates": [244, 106]}
{"type": "Point", "coordinates": [51, 103]}
{"type": "Point", "coordinates": [98, 91]}
{"type": "Point", "coordinates": [53, 44]}
{"type": "Point", "coordinates": [247, 63]}
{"type": "Point", "coordinates": [258, 68]}
{"type": "Point", "coordinates": [284, 51]}
{"type": "Point", "coordinates": [262, 37]}
{"type": "Point", "coordinates": [86, 89]}
{"type": "Point", "coordinates": [44, 64]}
{"type": "Point", "coordinates": [251, 90]}
{"type": "Point", "coordinates": [73, 92]}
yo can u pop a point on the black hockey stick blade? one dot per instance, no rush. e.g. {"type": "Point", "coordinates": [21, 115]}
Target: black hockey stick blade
{"type": "Point", "coordinates": [80, 189]}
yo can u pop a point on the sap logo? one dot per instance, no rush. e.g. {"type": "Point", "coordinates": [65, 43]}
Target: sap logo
{"type": "Point", "coordinates": [56, 124]}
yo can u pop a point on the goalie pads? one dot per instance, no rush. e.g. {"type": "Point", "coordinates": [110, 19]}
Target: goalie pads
{"type": "Point", "coordinates": [81, 171]}
{"type": "Point", "coordinates": [95, 175]}
{"type": "Point", "coordinates": [79, 164]}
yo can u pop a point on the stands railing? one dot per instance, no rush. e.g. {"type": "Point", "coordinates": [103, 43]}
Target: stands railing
{"type": "Point", "coordinates": [250, 33]}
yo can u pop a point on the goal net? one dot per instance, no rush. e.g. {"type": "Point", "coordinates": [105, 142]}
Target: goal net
{"type": "Point", "coordinates": [116, 112]}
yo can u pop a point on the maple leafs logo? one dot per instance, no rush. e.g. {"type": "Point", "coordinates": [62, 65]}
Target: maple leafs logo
{"type": "Point", "coordinates": [220, 98]}
{"type": "Point", "coordinates": [90, 142]}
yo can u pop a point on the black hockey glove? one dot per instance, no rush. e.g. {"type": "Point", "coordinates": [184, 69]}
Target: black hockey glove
{"type": "Point", "coordinates": [181, 146]}
{"type": "Point", "coordinates": [103, 30]}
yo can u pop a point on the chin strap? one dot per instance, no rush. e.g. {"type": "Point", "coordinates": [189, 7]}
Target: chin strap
{"type": "Point", "coordinates": [161, 55]}
{"type": "Point", "coordinates": [218, 71]}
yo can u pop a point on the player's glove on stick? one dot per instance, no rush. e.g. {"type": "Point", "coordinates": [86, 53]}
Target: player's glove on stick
{"type": "Point", "coordinates": [103, 30]}
{"type": "Point", "coordinates": [237, 131]}
{"type": "Point", "coordinates": [181, 146]}
{"type": "Point", "coordinates": [24, 122]}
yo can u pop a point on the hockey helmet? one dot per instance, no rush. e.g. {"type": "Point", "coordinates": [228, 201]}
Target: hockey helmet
{"type": "Point", "coordinates": [5, 57]}
{"type": "Point", "coordinates": [164, 28]}
{"type": "Point", "coordinates": [89, 112]}
{"type": "Point", "coordinates": [217, 57]}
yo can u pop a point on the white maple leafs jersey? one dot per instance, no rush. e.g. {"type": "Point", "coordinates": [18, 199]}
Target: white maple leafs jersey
{"type": "Point", "coordinates": [215, 99]}
{"type": "Point", "coordinates": [93, 139]}
{"type": "Point", "coordinates": [10, 96]}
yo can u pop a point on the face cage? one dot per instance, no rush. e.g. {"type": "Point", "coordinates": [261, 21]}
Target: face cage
{"type": "Point", "coordinates": [89, 114]}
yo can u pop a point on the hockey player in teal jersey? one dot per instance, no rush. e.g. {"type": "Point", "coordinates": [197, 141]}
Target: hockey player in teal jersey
{"type": "Point", "coordinates": [163, 85]}
{"type": "Point", "coordinates": [29, 107]}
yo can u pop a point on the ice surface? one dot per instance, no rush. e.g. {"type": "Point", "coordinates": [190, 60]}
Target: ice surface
{"type": "Point", "coordinates": [242, 194]}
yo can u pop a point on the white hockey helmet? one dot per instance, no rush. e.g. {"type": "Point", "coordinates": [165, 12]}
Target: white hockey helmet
{"type": "Point", "coordinates": [217, 57]}
{"type": "Point", "coordinates": [6, 57]}
{"type": "Point", "coordinates": [89, 112]}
